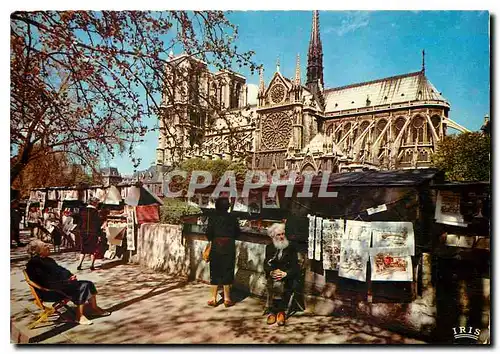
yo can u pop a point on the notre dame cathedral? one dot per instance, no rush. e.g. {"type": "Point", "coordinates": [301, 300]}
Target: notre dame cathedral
{"type": "Point", "coordinates": [390, 123]}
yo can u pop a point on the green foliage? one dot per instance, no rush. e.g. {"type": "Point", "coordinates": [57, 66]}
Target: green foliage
{"type": "Point", "coordinates": [172, 211]}
{"type": "Point", "coordinates": [464, 157]}
{"type": "Point", "coordinates": [216, 168]}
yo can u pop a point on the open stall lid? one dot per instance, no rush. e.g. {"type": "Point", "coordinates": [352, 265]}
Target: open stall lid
{"type": "Point", "coordinates": [112, 196]}
{"type": "Point", "coordinates": [140, 195]}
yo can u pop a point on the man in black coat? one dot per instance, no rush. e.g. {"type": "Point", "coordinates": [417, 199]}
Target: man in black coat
{"type": "Point", "coordinates": [281, 267]}
{"type": "Point", "coordinates": [15, 220]}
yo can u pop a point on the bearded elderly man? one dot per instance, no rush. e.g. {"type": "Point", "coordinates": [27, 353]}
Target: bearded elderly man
{"type": "Point", "coordinates": [281, 267]}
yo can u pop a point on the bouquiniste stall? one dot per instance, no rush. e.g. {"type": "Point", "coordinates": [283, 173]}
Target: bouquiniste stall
{"type": "Point", "coordinates": [371, 248]}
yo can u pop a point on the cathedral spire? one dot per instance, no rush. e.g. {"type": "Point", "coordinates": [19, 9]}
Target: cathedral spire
{"type": "Point", "coordinates": [315, 54]}
{"type": "Point", "coordinates": [297, 71]}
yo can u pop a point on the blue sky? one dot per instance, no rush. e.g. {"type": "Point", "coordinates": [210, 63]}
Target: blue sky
{"type": "Point", "coordinates": [361, 46]}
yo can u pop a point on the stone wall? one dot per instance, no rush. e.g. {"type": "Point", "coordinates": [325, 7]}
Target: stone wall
{"type": "Point", "coordinates": [249, 270]}
{"type": "Point", "coordinates": [160, 247]}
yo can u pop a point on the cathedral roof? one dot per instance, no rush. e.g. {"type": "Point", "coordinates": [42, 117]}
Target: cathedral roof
{"type": "Point", "coordinates": [395, 89]}
{"type": "Point", "coordinates": [317, 145]}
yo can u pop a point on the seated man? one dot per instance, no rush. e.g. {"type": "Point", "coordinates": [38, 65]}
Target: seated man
{"type": "Point", "coordinates": [281, 267]}
{"type": "Point", "coordinates": [44, 271]}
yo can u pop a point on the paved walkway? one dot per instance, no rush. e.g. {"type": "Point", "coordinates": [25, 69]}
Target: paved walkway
{"type": "Point", "coordinates": [156, 308]}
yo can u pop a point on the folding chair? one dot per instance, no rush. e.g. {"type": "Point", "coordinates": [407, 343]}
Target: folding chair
{"type": "Point", "coordinates": [46, 310]}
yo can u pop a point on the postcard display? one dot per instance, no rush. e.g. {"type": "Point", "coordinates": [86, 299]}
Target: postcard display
{"type": "Point", "coordinates": [206, 201]}
{"type": "Point", "coordinates": [269, 202]}
{"type": "Point", "coordinates": [53, 217]}
{"type": "Point", "coordinates": [241, 204]}
{"type": "Point", "coordinates": [393, 246]}
{"type": "Point", "coordinates": [448, 209]}
{"type": "Point", "coordinates": [333, 233]}
{"type": "Point", "coordinates": [388, 245]}
{"type": "Point", "coordinates": [115, 231]}
{"type": "Point", "coordinates": [129, 211]}
{"type": "Point", "coordinates": [354, 250]}
{"type": "Point", "coordinates": [310, 239]}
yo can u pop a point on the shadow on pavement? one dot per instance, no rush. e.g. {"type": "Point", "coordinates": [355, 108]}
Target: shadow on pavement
{"type": "Point", "coordinates": [111, 264]}
{"type": "Point", "coordinates": [151, 293]}
{"type": "Point", "coordinates": [59, 329]}
{"type": "Point", "coordinates": [238, 295]}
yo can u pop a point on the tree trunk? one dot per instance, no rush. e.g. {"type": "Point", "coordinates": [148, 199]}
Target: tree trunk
{"type": "Point", "coordinates": [21, 162]}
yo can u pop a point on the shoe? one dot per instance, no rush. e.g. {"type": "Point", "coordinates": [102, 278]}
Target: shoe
{"type": "Point", "coordinates": [101, 313]}
{"type": "Point", "coordinates": [228, 303]}
{"type": "Point", "coordinates": [92, 268]}
{"type": "Point", "coordinates": [281, 319]}
{"type": "Point", "coordinates": [79, 268]}
{"type": "Point", "coordinates": [212, 303]}
{"type": "Point", "coordinates": [271, 319]}
{"type": "Point", "coordinates": [21, 244]}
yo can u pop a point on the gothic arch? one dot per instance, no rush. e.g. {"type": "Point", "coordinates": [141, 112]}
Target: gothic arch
{"type": "Point", "coordinates": [363, 133]}
{"type": "Point", "coordinates": [379, 127]}
{"type": "Point", "coordinates": [338, 132]}
{"type": "Point", "coordinates": [354, 133]}
{"type": "Point", "coordinates": [213, 90]}
{"type": "Point", "coordinates": [220, 93]}
{"type": "Point", "coordinates": [329, 130]}
{"type": "Point", "coordinates": [308, 168]}
{"type": "Point", "coordinates": [345, 135]}
{"type": "Point", "coordinates": [362, 142]}
{"type": "Point", "coordinates": [308, 165]}
{"type": "Point", "coordinates": [235, 95]}
{"type": "Point", "coordinates": [381, 132]}
{"type": "Point", "coordinates": [437, 121]}
{"type": "Point", "coordinates": [417, 130]}
{"type": "Point", "coordinates": [398, 126]}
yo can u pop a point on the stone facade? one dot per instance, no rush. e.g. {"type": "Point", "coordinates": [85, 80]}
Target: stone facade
{"type": "Point", "coordinates": [391, 123]}
{"type": "Point", "coordinates": [111, 176]}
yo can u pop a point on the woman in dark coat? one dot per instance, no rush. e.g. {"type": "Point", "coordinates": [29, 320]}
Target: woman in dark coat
{"type": "Point", "coordinates": [222, 230]}
{"type": "Point", "coordinates": [44, 271]}
{"type": "Point", "coordinates": [89, 224]}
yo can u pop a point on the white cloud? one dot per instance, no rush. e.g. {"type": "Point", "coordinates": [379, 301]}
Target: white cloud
{"type": "Point", "coordinates": [354, 21]}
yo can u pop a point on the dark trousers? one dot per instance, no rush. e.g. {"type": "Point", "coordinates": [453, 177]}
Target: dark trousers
{"type": "Point", "coordinates": [281, 304]}
{"type": "Point", "coordinates": [14, 233]}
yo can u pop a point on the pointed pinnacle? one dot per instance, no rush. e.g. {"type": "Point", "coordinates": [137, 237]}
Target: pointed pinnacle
{"type": "Point", "coordinates": [423, 60]}
{"type": "Point", "coordinates": [297, 71]}
{"type": "Point", "coordinates": [261, 79]}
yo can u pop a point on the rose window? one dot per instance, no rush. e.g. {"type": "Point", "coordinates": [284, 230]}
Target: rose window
{"type": "Point", "coordinates": [277, 93]}
{"type": "Point", "coordinates": [418, 122]}
{"type": "Point", "coordinates": [276, 131]}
